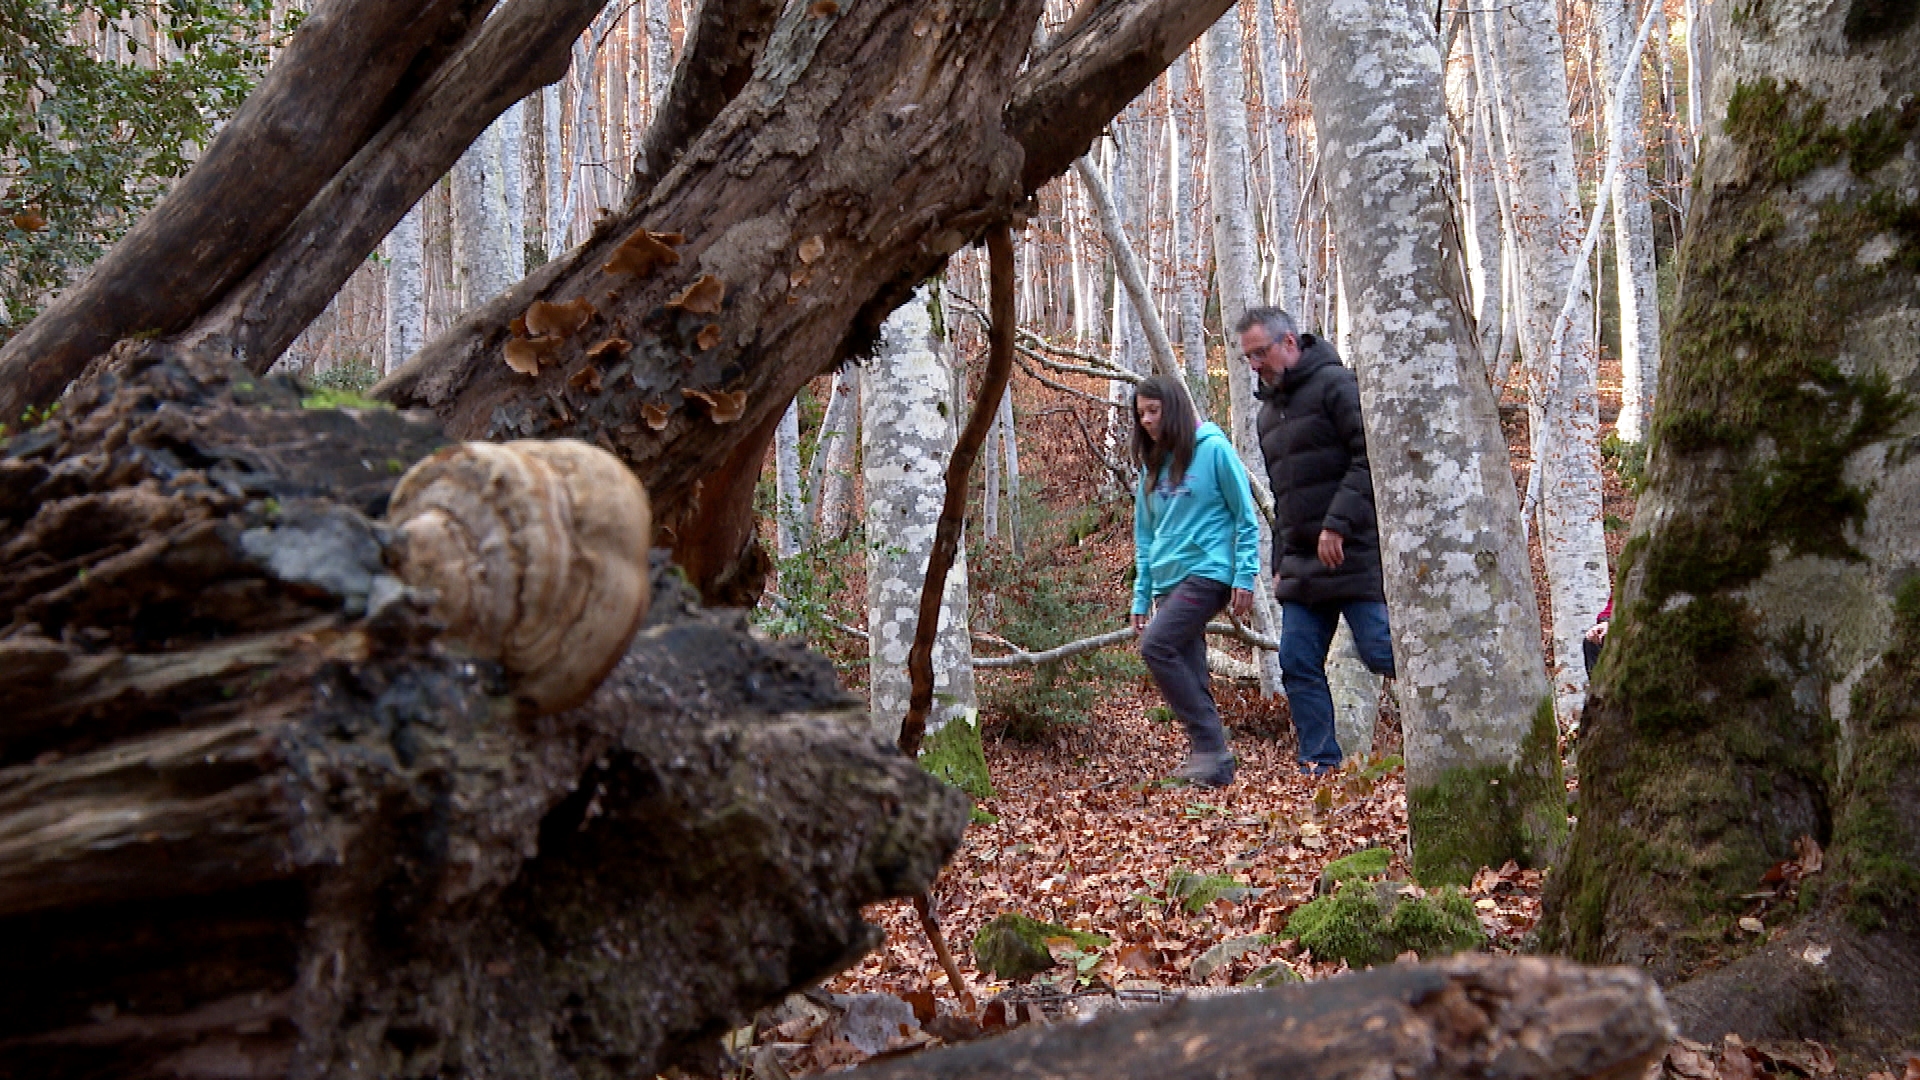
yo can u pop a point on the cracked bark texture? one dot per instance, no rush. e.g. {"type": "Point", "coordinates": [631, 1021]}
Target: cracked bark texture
{"type": "Point", "coordinates": [257, 820]}
{"type": "Point", "coordinates": [907, 430]}
{"type": "Point", "coordinates": [1466, 633]}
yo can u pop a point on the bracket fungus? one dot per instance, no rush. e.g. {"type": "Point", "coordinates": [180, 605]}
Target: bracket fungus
{"type": "Point", "coordinates": [725, 406]}
{"type": "Point", "coordinates": [708, 337]}
{"type": "Point", "coordinates": [559, 320]}
{"type": "Point", "coordinates": [525, 355]}
{"type": "Point", "coordinates": [643, 251]}
{"type": "Point", "coordinates": [703, 297]}
{"type": "Point", "coordinates": [537, 552]}
{"type": "Point", "coordinates": [656, 415]}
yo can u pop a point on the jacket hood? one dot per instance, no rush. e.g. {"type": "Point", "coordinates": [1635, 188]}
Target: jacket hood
{"type": "Point", "coordinates": [1315, 353]}
{"type": "Point", "coordinates": [1208, 430]}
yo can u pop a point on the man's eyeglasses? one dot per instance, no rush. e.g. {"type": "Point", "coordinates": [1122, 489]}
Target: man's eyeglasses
{"type": "Point", "coordinates": [1261, 352]}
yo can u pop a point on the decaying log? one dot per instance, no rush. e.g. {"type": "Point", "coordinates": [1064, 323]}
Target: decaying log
{"type": "Point", "coordinates": [1506, 1018]}
{"type": "Point", "coordinates": [259, 818]}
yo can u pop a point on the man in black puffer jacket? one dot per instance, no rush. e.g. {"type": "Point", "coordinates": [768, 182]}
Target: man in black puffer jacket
{"type": "Point", "coordinates": [1326, 547]}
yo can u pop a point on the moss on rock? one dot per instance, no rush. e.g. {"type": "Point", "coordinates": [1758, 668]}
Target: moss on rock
{"type": "Point", "coordinates": [1195, 891]}
{"type": "Point", "coordinates": [1371, 924]}
{"type": "Point", "coordinates": [1487, 814]}
{"type": "Point", "coordinates": [1876, 849]}
{"type": "Point", "coordinates": [1013, 946]}
{"type": "Point", "coordinates": [955, 755]}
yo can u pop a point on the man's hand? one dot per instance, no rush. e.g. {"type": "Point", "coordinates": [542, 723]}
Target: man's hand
{"type": "Point", "coordinates": [1139, 624]}
{"type": "Point", "coordinates": [1242, 603]}
{"type": "Point", "coordinates": [1333, 549]}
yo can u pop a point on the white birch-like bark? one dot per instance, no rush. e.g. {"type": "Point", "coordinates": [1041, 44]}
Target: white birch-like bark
{"type": "Point", "coordinates": [512, 129]}
{"type": "Point", "coordinates": [1355, 692]}
{"type": "Point", "coordinates": [1010, 449]}
{"type": "Point", "coordinates": [836, 482]}
{"type": "Point", "coordinates": [639, 102]}
{"type": "Point", "coordinates": [1466, 632]}
{"type": "Point", "coordinates": [790, 504]}
{"type": "Point", "coordinates": [554, 173]}
{"type": "Point", "coordinates": [1238, 275]}
{"type": "Point", "coordinates": [1493, 230]}
{"type": "Point", "coordinates": [1076, 255]}
{"type": "Point", "coordinates": [1564, 407]}
{"type": "Point", "coordinates": [659, 55]}
{"type": "Point", "coordinates": [1188, 301]}
{"type": "Point", "coordinates": [907, 432]}
{"type": "Point", "coordinates": [1132, 274]}
{"type": "Point", "coordinates": [406, 315]}
{"type": "Point", "coordinates": [990, 497]}
{"type": "Point", "coordinates": [1632, 226]}
{"type": "Point", "coordinates": [482, 267]}
{"type": "Point", "coordinates": [1284, 284]}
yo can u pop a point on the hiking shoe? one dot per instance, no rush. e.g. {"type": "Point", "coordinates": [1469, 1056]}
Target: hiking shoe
{"type": "Point", "coordinates": [1207, 770]}
{"type": "Point", "coordinates": [1315, 770]}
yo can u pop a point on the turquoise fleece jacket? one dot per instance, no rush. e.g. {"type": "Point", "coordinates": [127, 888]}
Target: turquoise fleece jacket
{"type": "Point", "coordinates": [1205, 525]}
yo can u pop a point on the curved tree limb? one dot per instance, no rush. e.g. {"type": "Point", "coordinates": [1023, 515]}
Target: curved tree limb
{"type": "Point", "coordinates": [724, 42]}
{"type": "Point", "coordinates": [953, 513]}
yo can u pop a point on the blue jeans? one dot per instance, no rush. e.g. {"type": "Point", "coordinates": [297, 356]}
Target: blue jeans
{"type": "Point", "coordinates": [1306, 632]}
{"type": "Point", "coordinates": [1174, 647]}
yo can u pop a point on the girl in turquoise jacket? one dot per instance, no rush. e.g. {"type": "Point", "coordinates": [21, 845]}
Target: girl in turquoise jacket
{"type": "Point", "coordinates": [1196, 550]}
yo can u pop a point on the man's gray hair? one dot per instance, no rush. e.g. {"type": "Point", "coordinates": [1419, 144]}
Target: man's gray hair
{"type": "Point", "coordinates": [1277, 323]}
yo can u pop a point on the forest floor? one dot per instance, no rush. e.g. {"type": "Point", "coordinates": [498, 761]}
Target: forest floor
{"type": "Point", "coordinates": [1084, 834]}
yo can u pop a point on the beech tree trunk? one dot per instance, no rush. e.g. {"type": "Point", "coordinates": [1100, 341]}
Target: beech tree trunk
{"type": "Point", "coordinates": [1237, 272]}
{"type": "Point", "coordinates": [1632, 231]}
{"type": "Point", "coordinates": [1564, 405]}
{"type": "Point", "coordinates": [406, 290]}
{"type": "Point", "coordinates": [836, 460]}
{"type": "Point", "coordinates": [1759, 690]}
{"type": "Point", "coordinates": [1483, 763]}
{"type": "Point", "coordinates": [907, 431]}
{"type": "Point", "coordinates": [1189, 286]}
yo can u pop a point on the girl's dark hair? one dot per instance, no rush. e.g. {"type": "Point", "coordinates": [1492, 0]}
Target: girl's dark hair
{"type": "Point", "coordinates": [1174, 448]}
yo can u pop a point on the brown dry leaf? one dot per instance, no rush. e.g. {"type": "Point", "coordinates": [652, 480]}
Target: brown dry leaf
{"type": "Point", "coordinates": [1690, 1061]}
{"type": "Point", "coordinates": [822, 8]}
{"type": "Point", "coordinates": [702, 297]}
{"type": "Point", "coordinates": [643, 251]}
{"type": "Point", "coordinates": [812, 248]}
{"type": "Point", "coordinates": [30, 219]}
{"type": "Point", "coordinates": [559, 320]}
{"type": "Point", "coordinates": [655, 415]}
{"type": "Point", "coordinates": [586, 379]}
{"type": "Point", "coordinates": [1752, 925]}
{"type": "Point", "coordinates": [1809, 855]}
{"type": "Point", "coordinates": [708, 337]}
{"type": "Point", "coordinates": [525, 355]}
{"type": "Point", "coordinates": [611, 349]}
{"type": "Point", "coordinates": [1137, 957]}
{"type": "Point", "coordinates": [723, 406]}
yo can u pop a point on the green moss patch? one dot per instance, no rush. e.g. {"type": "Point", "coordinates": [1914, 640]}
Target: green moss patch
{"type": "Point", "coordinates": [1485, 815]}
{"type": "Point", "coordinates": [1875, 853]}
{"type": "Point", "coordinates": [1195, 891]}
{"type": "Point", "coordinates": [330, 398]}
{"type": "Point", "coordinates": [1371, 924]}
{"type": "Point", "coordinates": [1013, 946]}
{"type": "Point", "coordinates": [955, 755]}
{"type": "Point", "coordinates": [1371, 863]}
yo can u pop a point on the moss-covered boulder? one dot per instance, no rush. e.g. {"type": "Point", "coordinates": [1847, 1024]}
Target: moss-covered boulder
{"type": "Point", "coordinates": [1267, 976]}
{"type": "Point", "coordinates": [1015, 947]}
{"type": "Point", "coordinates": [1371, 924]}
{"type": "Point", "coordinates": [954, 754]}
{"type": "Point", "coordinates": [1360, 865]}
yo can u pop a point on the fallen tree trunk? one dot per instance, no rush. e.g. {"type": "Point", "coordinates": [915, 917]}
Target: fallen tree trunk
{"type": "Point", "coordinates": [259, 818]}
{"type": "Point", "coordinates": [1471, 1016]}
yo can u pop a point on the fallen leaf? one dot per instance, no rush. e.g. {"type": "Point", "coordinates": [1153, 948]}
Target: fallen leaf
{"type": "Point", "coordinates": [559, 320]}
{"type": "Point", "coordinates": [923, 1005]}
{"type": "Point", "coordinates": [611, 349]}
{"type": "Point", "coordinates": [1137, 957]}
{"type": "Point", "coordinates": [30, 219]}
{"type": "Point", "coordinates": [525, 355]}
{"type": "Point", "coordinates": [1752, 925]}
{"type": "Point", "coordinates": [641, 252]}
{"type": "Point", "coordinates": [702, 297]}
{"type": "Point", "coordinates": [812, 248]}
{"type": "Point", "coordinates": [708, 337]}
{"type": "Point", "coordinates": [821, 8]}
{"type": "Point", "coordinates": [586, 379]}
{"type": "Point", "coordinates": [1816, 954]}
{"type": "Point", "coordinates": [723, 406]}
{"type": "Point", "coordinates": [1809, 855]}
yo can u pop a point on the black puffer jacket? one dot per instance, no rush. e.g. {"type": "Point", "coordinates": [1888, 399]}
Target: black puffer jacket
{"type": "Point", "coordinates": [1315, 449]}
